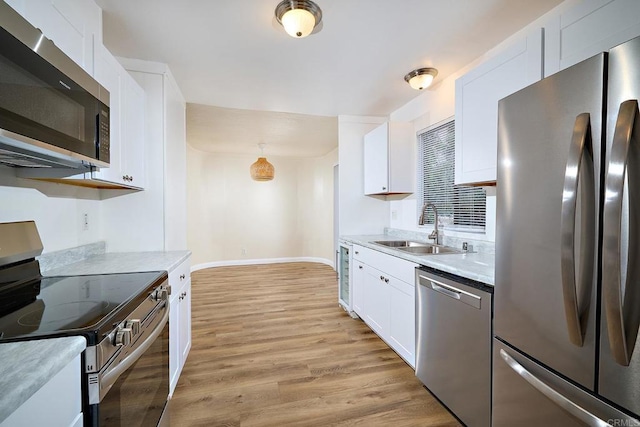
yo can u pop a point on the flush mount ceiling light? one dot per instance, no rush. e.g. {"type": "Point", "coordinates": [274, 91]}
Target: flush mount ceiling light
{"type": "Point", "coordinates": [262, 170]}
{"type": "Point", "coordinates": [298, 17]}
{"type": "Point", "coordinates": [421, 78]}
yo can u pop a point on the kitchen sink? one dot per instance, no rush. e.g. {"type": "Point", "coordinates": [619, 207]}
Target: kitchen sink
{"type": "Point", "coordinates": [429, 250]}
{"type": "Point", "coordinates": [417, 248]}
{"type": "Point", "coordinates": [401, 244]}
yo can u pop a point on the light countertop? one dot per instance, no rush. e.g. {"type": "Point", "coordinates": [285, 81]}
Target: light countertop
{"type": "Point", "coordinates": [470, 265]}
{"type": "Point", "coordinates": [122, 262]}
{"type": "Point", "coordinates": [28, 365]}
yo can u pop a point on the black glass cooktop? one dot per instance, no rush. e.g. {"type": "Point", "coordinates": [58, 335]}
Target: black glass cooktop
{"type": "Point", "coordinates": [71, 305]}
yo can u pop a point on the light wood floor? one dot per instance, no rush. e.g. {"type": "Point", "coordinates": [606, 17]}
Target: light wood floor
{"type": "Point", "coordinates": [271, 347]}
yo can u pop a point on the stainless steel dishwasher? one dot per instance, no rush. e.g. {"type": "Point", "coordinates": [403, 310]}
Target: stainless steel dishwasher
{"type": "Point", "coordinates": [453, 344]}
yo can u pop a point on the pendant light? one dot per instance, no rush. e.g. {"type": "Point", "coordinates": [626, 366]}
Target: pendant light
{"type": "Point", "coordinates": [298, 17]}
{"type": "Point", "coordinates": [262, 170]}
{"type": "Point", "coordinates": [421, 78]}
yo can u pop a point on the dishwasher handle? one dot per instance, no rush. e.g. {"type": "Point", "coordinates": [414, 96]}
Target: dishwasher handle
{"type": "Point", "coordinates": [451, 291]}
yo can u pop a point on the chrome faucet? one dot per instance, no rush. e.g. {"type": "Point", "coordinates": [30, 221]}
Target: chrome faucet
{"type": "Point", "coordinates": [435, 235]}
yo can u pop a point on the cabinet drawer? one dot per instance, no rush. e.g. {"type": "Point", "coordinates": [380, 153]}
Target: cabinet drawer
{"type": "Point", "coordinates": [389, 264]}
{"type": "Point", "coordinates": [358, 251]}
{"type": "Point", "coordinates": [180, 275]}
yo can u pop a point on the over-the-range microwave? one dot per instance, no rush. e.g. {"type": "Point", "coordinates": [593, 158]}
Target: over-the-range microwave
{"type": "Point", "coordinates": [53, 114]}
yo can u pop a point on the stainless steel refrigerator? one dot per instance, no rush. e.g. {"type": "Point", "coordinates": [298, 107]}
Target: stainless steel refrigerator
{"type": "Point", "coordinates": [567, 292]}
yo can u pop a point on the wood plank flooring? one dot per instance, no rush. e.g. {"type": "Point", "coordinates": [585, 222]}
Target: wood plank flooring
{"type": "Point", "coordinates": [271, 347]}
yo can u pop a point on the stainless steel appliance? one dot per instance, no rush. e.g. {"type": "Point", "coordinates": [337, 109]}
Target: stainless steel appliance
{"type": "Point", "coordinates": [345, 297]}
{"type": "Point", "coordinates": [453, 344]}
{"type": "Point", "coordinates": [123, 317]}
{"type": "Point", "coordinates": [52, 113]}
{"type": "Point", "coordinates": [567, 303]}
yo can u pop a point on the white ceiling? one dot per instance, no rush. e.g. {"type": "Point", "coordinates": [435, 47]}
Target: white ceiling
{"type": "Point", "coordinates": [228, 130]}
{"type": "Point", "coordinates": [233, 54]}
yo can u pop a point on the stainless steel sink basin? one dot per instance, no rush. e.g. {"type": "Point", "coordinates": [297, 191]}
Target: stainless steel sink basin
{"type": "Point", "coordinates": [429, 250]}
{"type": "Point", "coordinates": [417, 248]}
{"type": "Point", "coordinates": [400, 243]}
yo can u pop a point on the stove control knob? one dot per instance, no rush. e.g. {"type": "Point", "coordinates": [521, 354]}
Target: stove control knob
{"type": "Point", "coordinates": [160, 294]}
{"type": "Point", "coordinates": [134, 325]}
{"type": "Point", "coordinates": [123, 337]}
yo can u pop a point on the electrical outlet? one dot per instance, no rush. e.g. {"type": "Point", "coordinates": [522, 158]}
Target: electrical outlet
{"type": "Point", "coordinates": [394, 215]}
{"type": "Point", "coordinates": [85, 222]}
{"type": "Point", "coordinates": [243, 251]}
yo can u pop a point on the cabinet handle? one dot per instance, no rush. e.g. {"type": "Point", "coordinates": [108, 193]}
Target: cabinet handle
{"type": "Point", "coordinates": [384, 188]}
{"type": "Point", "coordinates": [182, 276]}
{"type": "Point", "coordinates": [357, 253]}
{"type": "Point", "coordinates": [386, 280]}
{"type": "Point", "coordinates": [381, 277]}
{"type": "Point", "coordinates": [360, 267]}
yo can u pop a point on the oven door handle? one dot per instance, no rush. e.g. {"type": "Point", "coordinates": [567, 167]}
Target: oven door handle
{"type": "Point", "coordinates": [110, 377]}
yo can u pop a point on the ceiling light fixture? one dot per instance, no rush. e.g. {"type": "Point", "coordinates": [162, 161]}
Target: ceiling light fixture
{"type": "Point", "coordinates": [421, 78]}
{"type": "Point", "coordinates": [262, 170]}
{"type": "Point", "coordinates": [298, 17]}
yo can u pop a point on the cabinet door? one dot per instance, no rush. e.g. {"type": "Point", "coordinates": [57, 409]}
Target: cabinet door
{"type": "Point", "coordinates": [376, 297]}
{"type": "Point", "coordinates": [174, 341]}
{"type": "Point", "coordinates": [71, 25]}
{"type": "Point", "coordinates": [402, 319]}
{"type": "Point", "coordinates": [109, 72]}
{"type": "Point", "coordinates": [185, 323]}
{"type": "Point", "coordinates": [588, 28]}
{"type": "Point", "coordinates": [358, 288]}
{"type": "Point", "coordinates": [376, 160]}
{"type": "Point", "coordinates": [477, 96]}
{"type": "Point", "coordinates": [133, 132]}
{"type": "Point", "coordinates": [179, 321]}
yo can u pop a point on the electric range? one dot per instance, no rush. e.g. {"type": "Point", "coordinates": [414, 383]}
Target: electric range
{"type": "Point", "coordinates": [124, 318]}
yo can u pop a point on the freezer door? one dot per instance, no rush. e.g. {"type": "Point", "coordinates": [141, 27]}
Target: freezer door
{"type": "Point", "coordinates": [525, 394]}
{"type": "Point", "coordinates": [549, 154]}
{"type": "Point", "coordinates": [620, 348]}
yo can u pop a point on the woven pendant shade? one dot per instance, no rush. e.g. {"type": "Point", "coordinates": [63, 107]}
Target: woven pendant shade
{"type": "Point", "coordinates": [262, 170]}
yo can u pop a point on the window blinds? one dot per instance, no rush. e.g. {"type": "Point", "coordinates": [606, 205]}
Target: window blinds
{"type": "Point", "coordinates": [458, 207]}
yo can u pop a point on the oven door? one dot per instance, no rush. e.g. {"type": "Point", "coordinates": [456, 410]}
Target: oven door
{"type": "Point", "coordinates": [133, 391]}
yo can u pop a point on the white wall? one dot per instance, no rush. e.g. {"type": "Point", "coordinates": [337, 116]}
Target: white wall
{"type": "Point", "coordinates": [429, 108]}
{"type": "Point", "coordinates": [233, 218]}
{"type": "Point", "coordinates": [57, 209]}
{"type": "Point", "coordinates": [359, 214]}
{"type": "Point", "coordinates": [437, 104]}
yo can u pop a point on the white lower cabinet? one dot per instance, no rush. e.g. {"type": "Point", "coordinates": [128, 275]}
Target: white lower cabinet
{"type": "Point", "coordinates": [402, 321]}
{"type": "Point", "coordinates": [179, 321]}
{"type": "Point", "coordinates": [384, 297]}
{"type": "Point", "coordinates": [57, 403]}
{"type": "Point", "coordinates": [357, 287]}
{"type": "Point", "coordinates": [376, 296]}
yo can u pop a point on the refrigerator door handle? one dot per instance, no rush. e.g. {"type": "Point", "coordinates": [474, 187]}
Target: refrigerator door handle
{"type": "Point", "coordinates": [623, 317]}
{"type": "Point", "coordinates": [557, 398]}
{"type": "Point", "coordinates": [579, 170]}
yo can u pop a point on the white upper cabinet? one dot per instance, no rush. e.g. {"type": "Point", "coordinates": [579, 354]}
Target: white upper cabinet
{"type": "Point", "coordinates": [588, 28]}
{"type": "Point", "coordinates": [389, 160]}
{"type": "Point", "coordinates": [133, 132]}
{"type": "Point", "coordinates": [477, 96]}
{"type": "Point", "coordinates": [72, 25]}
{"type": "Point", "coordinates": [127, 125]}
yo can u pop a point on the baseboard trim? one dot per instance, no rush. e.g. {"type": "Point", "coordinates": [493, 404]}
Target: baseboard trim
{"type": "Point", "coordinates": [235, 262]}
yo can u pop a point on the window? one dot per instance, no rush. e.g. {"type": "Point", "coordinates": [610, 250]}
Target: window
{"type": "Point", "coordinates": [459, 208]}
